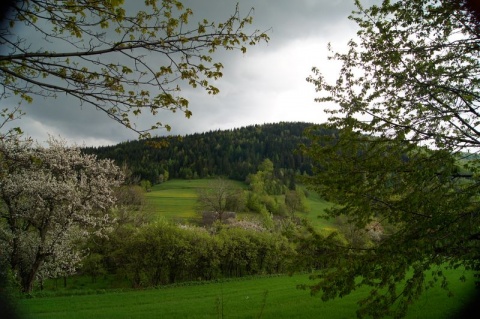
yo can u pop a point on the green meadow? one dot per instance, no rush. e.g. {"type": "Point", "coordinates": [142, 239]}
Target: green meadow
{"type": "Point", "coordinates": [176, 200]}
{"type": "Point", "coordinates": [260, 297]}
{"type": "Point", "coordinates": [317, 206]}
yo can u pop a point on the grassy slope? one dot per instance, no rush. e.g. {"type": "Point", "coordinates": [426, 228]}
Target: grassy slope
{"type": "Point", "coordinates": [274, 297]}
{"type": "Point", "coordinates": [176, 200]}
{"type": "Point", "coordinates": [317, 206]}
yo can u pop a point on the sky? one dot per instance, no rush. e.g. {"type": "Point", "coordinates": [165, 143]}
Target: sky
{"type": "Point", "coordinates": [265, 85]}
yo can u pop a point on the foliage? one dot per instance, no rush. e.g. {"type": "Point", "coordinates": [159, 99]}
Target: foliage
{"type": "Point", "coordinates": [51, 197]}
{"type": "Point", "coordinates": [231, 153]}
{"type": "Point", "coordinates": [158, 254]}
{"type": "Point", "coordinates": [264, 180]}
{"type": "Point", "coordinates": [408, 96]}
{"type": "Point", "coordinates": [6, 116]}
{"type": "Point", "coordinates": [93, 266]}
{"type": "Point", "coordinates": [146, 185]}
{"type": "Point", "coordinates": [264, 190]}
{"type": "Point", "coordinates": [7, 289]}
{"type": "Point", "coordinates": [245, 252]}
{"type": "Point", "coordinates": [129, 214]}
{"type": "Point", "coordinates": [99, 53]}
{"type": "Point", "coordinates": [162, 253]}
{"type": "Point", "coordinates": [412, 76]}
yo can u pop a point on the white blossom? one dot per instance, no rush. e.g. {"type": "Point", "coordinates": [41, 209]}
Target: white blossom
{"type": "Point", "coordinates": [48, 196]}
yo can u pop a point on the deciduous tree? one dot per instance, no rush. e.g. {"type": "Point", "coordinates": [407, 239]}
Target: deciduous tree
{"type": "Point", "coordinates": [219, 196]}
{"type": "Point", "coordinates": [123, 58]}
{"type": "Point", "coordinates": [50, 197]}
{"type": "Point", "coordinates": [406, 117]}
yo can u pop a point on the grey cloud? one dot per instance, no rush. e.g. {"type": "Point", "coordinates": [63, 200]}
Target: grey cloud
{"type": "Point", "coordinates": [259, 87]}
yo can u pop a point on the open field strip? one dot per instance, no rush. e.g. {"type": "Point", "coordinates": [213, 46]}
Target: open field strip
{"type": "Point", "coordinates": [264, 297]}
{"type": "Point", "coordinates": [176, 200]}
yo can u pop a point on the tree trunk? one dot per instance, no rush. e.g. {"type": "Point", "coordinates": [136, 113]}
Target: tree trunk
{"type": "Point", "coordinates": [28, 276]}
{"type": "Point", "coordinates": [27, 282]}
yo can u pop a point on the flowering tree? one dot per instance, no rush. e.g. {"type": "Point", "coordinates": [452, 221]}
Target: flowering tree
{"type": "Point", "coordinates": [49, 197]}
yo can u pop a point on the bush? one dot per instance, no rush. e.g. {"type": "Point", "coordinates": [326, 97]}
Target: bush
{"type": "Point", "coordinates": [164, 254]}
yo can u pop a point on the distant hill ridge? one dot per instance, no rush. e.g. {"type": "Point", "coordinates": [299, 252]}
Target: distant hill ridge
{"type": "Point", "coordinates": [233, 153]}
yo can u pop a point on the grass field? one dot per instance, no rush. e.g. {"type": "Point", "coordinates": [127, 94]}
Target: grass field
{"type": "Point", "coordinates": [317, 206]}
{"type": "Point", "coordinates": [273, 297]}
{"type": "Point", "coordinates": [176, 200]}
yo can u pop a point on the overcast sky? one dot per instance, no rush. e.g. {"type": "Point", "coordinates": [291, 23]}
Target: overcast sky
{"type": "Point", "coordinates": [266, 85]}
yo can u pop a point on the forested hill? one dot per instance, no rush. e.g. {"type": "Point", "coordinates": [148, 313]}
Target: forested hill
{"type": "Point", "coordinates": [234, 153]}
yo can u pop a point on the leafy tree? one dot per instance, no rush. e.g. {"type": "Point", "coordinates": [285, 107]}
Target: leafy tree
{"type": "Point", "coordinates": [161, 253]}
{"type": "Point", "coordinates": [265, 181]}
{"type": "Point", "coordinates": [407, 98]}
{"type": "Point", "coordinates": [50, 197]}
{"type": "Point", "coordinates": [357, 238]}
{"type": "Point", "coordinates": [146, 185]}
{"type": "Point", "coordinates": [93, 266]}
{"type": "Point", "coordinates": [99, 53]}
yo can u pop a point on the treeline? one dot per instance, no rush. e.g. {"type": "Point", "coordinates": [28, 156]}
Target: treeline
{"type": "Point", "coordinates": [162, 253]}
{"type": "Point", "coordinates": [232, 153]}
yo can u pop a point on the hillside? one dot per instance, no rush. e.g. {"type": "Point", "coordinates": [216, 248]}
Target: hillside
{"type": "Point", "coordinates": [233, 153]}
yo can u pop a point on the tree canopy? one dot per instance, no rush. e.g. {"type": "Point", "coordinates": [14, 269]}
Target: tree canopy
{"type": "Point", "coordinates": [122, 58]}
{"type": "Point", "coordinates": [402, 161]}
{"type": "Point", "coordinates": [50, 198]}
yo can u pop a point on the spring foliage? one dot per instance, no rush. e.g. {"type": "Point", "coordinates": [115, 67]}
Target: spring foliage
{"type": "Point", "coordinates": [397, 161]}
